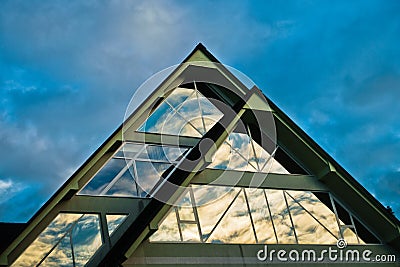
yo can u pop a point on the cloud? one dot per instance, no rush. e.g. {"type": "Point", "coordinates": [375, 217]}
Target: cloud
{"type": "Point", "coordinates": [8, 189]}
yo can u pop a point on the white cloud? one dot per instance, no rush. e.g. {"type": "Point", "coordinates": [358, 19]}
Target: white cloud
{"type": "Point", "coordinates": [8, 189]}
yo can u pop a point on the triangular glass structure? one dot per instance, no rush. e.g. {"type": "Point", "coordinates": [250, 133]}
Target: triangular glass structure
{"type": "Point", "coordinates": [240, 152]}
{"type": "Point", "coordinates": [184, 112]}
{"type": "Point", "coordinates": [207, 161]}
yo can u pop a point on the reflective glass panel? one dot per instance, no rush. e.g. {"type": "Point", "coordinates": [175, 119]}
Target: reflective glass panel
{"type": "Point", "coordinates": [47, 239]}
{"type": "Point", "coordinates": [239, 152]}
{"type": "Point", "coordinates": [280, 216]}
{"type": "Point", "coordinates": [129, 150]}
{"type": "Point", "coordinates": [130, 177]}
{"type": "Point", "coordinates": [125, 186]}
{"type": "Point", "coordinates": [349, 235]}
{"type": "Point", "coordinates": [113, 221]}
{"type": "Point", "coordinates": [184, 112]}
{"type": "Point", "coordinates": [156, 123]}
{"type": "Point", "coordinates": [235, 226]}
{"type": "Point", "coordinates": [148, 174]}
{"type": "Point", "coordinates": [306, 206]}
{"type": "Point", "coordinates": [190, 232]}
{"type": "Point", "coordinates": [212, 202]}
{"type": "Point", "coordinates": [86, 238]}
{"type": "Point", "coordinates": [104, 177]}
{"type": "Point", "coordinates": [68, 232]}
{"type": "Point", "coordinates": [178, 96]}
{"type": "Point", "coordinates": [160, 153]}
{"type": "Point", "coordinates": [185, 208]}
{"type": "Point", "coordinates": [168, 230]}
{"type": "Point", "coordinates": [61, 256]}
{"type": "Point", "coordinates": [309, 229]}
{"type": "Point", "coordinates": [266, 216]}
{"type": "Point", "coordinates": [261, 217]}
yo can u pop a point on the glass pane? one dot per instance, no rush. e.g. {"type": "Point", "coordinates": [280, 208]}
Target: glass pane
{"type": "Point", "coordinates": [156, 121]}
{"type": "Point", "coordinates": [148, 174]}
{"type": "Point", "coordinates": [164, 120]}
{"type": "Point", "coordinates": [260, 154]}
{"type": "Point", "coordinates": [280, 216]}
{"type": "Point", "coordinates": [235, 226]}
{"type": "Point", "coordinates": [239, 162]}
{"type": "Point", "coordinates": [103, 177]}
{"type": "Point", "coordinates": [212, 202]}
{"type": "Point", "coordinates": [47, 239]}
{"type": "Point", "coordinates": [308, 229]}
{"type": "Point", "coordinates": [349, 235]}
{"type": "Point", "coordinates": [61, 256]}
{"type": "Point", "coordinates": [221, 157]}
{"type": "Point", "coordinates": [190, 109]}
{"type": "Point", "coordinates": [113, 221]}
{"type": "Point", "coordinates": [125, 186]}
{"type": "Point", "coordinates": [178, 96]}
{"type": "Point", "coordinates": [160, 153]}
{"type": "Point", "coordinates": [198, 124]}
{"type": "Point", "coordinates": [178, 109]}
{"type": "Point", "coordinates": [188, 130]}
{"type": "Point", "coordinates": [261, 217]}
{"type": "Point", "coordinates": [209, 110]}
{"type": "Point", "coordinates": [190, 232]}
{"type": "Point", "coordinates": [241, 143]}
{"type": "Point", "coordinates": [273, 166]}
{"type": "Point", "coordinates": [310, 203]}
{"type": "Point", "coordinates": [86, 238]}
{"type": "Point", "coordinates": [168, 230]}
{"type": "Point", "coordinates": [185, 208]}
{"type": "Point", "coordinates": [129, 150]}
{"type": "Point", "coordinates": [210, 121]}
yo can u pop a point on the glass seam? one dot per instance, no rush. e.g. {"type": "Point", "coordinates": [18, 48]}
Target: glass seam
{"type": "Point", "coordinates": [223, 215]}
{"type": "Point", "coordinates": [290, 216]}
{"type": "Point", "coordinates": [251, 217]}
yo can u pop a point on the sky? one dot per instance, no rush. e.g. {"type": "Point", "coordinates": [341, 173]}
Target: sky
{"type": "Point", "coordinates": [69, 68]}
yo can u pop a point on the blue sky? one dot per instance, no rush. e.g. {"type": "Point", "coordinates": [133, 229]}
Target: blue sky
{"type": "Point", "coordinates": [69, 68]}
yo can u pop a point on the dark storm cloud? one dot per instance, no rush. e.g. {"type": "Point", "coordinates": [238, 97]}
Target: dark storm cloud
{"type": "Point", "coordinates": [68, 70]}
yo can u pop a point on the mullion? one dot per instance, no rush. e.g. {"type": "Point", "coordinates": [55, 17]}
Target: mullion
{"type": "Point", "coordinates": [180, 115]}
{"type": "Point", "coordinates": [251, 216]}
{"type": "Point", "coordinates": [72, 250]}
{"type": "Point", "coordinates": [254, 150]}
{"type": "Point", "coordinates": [178, 222]}
{"type": "Point", "coordinates": [69, 231]}
{"type": "Point", "coordinates": [247, 160]}
{"type": "Point", "coordinates": [298, 203]}
{"type": "Point", "coordinates": [270, 215]}
{"type": "Point", "coordinates": [116, 178]}
{"type": "Point", "coordinates": [200, 109]}
{"type": "Point", "coordinates": [196, 215]}
{"type": "Point", "coordinates": [270, 157]}
{"type": "Point", "coordinates": [223, 215]}
{"type": "Point", "coordinates": [290, 216]}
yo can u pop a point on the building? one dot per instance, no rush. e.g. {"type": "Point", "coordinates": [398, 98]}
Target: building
{"type": "Point", "coordinates": [206, 172]}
